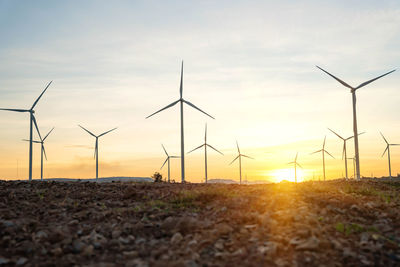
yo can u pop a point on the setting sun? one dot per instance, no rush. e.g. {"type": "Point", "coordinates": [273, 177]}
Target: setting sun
{"type": "Point", "coordinates": [286, 174]}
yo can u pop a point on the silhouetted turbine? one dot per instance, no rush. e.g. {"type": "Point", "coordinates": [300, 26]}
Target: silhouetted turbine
{"type": "Point", "coordinates": [42, 151]}
{"type": "Point", "coordinates": [388, 150]}
{"type": "Point", "coordinates": [353, 94]}
{"type": "Point", "coordinates": [181, 101]}
{"type": "Point", "coordinates": [240, 161]}
{"type": "Point", "coordinates": [167, 160]}
{"type": "Point", "coordinates": [295, 166]}
{"type": "Point", "coordinates": [96, 148]}
{"type": "Point", "coordinates": [344, 153]}
{"type": "Point", "coordinates": [205, 151]}
{"type": "Point", "coordinates": [32, 121]}
{"type": "Point", "coordinates": [323, 156]}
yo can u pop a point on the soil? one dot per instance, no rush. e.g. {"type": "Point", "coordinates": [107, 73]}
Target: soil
{"type": "Point", "coordinates": [332, 223]}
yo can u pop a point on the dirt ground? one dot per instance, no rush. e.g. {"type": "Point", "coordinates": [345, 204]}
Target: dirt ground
{"type": "Point", "coordinates": [126, 224]}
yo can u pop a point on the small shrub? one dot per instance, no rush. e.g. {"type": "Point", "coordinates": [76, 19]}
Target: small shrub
{"type": "Point", "coordinates": [157, 177]}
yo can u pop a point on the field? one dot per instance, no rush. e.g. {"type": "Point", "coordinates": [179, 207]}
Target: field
{"type": "Point", "coordinates": [141, 224]}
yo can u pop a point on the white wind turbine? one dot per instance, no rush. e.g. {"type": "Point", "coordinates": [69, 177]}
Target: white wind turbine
{"type": "Point", "coordinates": [32, 121]}
{"type": "Point", "coordinates": [240, 161]}
{"type": "Point", "coordinates": [295, 164]}
{"type": "Point", "coordinates": [42, 151]}
{"type": "Point", "coordinates": [323, 151]}
{"type": "Point", "coordinates": [96, 148]}
{"type": "Point", "coordinates": [388, 150]}
{"type": "Point", "coordinates": [167, 160]}
{"type": "Point", "coordinates": [181, 101]}
{"type": "Point", "coordinates": [353, 94]}
{"type": "Point", "coordinates": [205, 151]}
{"type": "Point", "coordinates": [344, 153]}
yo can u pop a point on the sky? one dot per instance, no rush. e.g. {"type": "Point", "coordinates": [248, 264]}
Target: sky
{"type": "Point", "coordinates": [250, 64]}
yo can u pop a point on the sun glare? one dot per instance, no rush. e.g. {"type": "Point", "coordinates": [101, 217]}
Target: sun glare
{"type": "Point", "coordinates": [286, 174]}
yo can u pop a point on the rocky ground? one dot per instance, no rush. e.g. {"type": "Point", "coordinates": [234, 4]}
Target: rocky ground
{"type": "Point", "coordinates": [81, 223]}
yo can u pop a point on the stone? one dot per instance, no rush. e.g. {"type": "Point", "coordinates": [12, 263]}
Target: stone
{"type": "Point", "coordinates": [176, 238]}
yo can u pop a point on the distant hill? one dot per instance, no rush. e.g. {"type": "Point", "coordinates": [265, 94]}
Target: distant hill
{"type": "Point", "coordinates": [222, 181]}
{"type": "Point", "coordinates": [104, 179]}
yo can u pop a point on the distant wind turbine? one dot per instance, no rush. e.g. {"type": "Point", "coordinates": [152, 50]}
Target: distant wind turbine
{"type": "Point", "coordinates": [96, 148]}
{"type": "Point", "coordinates": [32, 121]}
{"type": "Point", "coordinates": [181, 101]}
{"type": "Point", "coordinates": [353, 94]}
{"type": "Point", "coordinates": [205, 151]}
{"type": "Point", "coordinates": [388, 152]}
{"type": "Point", "coordinates": [323, 151]}
{"type": "Point", "coordinates": [240, 161]}
{"type": "Point", "coordinates": [167, 160]}
{"type": "Point", "coordinates": [295, 164]}
{"type": "Point", "coordinates": [42, 151]}
{"type": "Point", "coordinates": [344, 153]}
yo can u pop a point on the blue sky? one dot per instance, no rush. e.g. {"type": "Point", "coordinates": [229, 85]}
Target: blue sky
{"type": "Point", "coordinates": [251, 64]}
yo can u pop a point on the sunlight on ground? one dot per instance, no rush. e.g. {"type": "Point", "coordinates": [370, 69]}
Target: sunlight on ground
{"type": "Point", "coordinates": [285, 174]}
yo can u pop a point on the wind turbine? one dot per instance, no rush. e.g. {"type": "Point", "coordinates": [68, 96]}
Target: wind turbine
{"type": "Point", "coordinates": [323, 156]}
{"type": "Point", "coordinates": [181, 101]}
{"type": "Point", "coordinates": [205, 151]}
{"type": "Point", "coordinates": [96, 148]}
{"type": "Point", "coordinates": [388, 150]}
{"type": "Point", "coordinates": [344, 153]}
{"type": "Point", "coordinates": [240, 161]}
{"type": "Point", "coordinates": [167, 160]}
{"type": "Point", "coordinates": [42, 151]}
{"type": "Point", "coordinates": [353, 95]}
{"type": "Point", "coordinates": [354, 168]}
{"type": "Point", "coordinates": [295, 166]}
{"type": "Point", "coordinates": [32, 121]}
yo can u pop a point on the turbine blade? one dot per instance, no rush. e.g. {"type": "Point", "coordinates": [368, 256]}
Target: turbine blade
{"type": "Point", "coordinates": [246, 156]}
{"type": "Point", "coordinates": [237, 144]}
{"type": "Point", "coordinates": [291, 162]}
{"type": "Point", "coordinates": [181, 85]}
{"type": "Point", "coordinates": [174, 157]}
{"type": "Point", "coordinates": [33, 141]}
{"type": "Point", "coordinates": [299, 165]}
{"type": "Point", "coordinates": [323, 145]}
{"type": "Point", "coordinates": [88, 131]}
{"type": "Point", "coordinates": [193, 106]}
{"type": "Point", "coordinates": [195, 148]}
{"type": "Point", "coordinates": [108, 131]}
{"type": "Point", "coordinates": [36, 126]}
{"type": "Point", "coordinates": [337, 79]}
{"type": "Point", "coordinates": [385, 150]}
{"type": "Point", "coordinates": [215, 149]}
{"type": "Point", "coordinates": [165, 150]}
{"type": "Point", "coordinates": [170, 105]}
{"type": "Point", "coordinates": [395, 144]}
{"type": "Point", "coordinates": [164, 163]}
{"type": "Point", "coordinates": [48, 134]}
{"type": "Point", "coordinates": [329, 153]}
{"type": "Point", "coordinates": [37, 100]}
{"type": "Point", "coordinates": [44, 152]}
{"type": "Point", "coordinates": [234, 160]}
{"type": "Point", "coordinates": [295, 159]}
{"type": "Point", "coordinates": [374, 79]}
{"type": "Point", "coordinates": [16, 110]}
{"type": "Point", "coordinates": [205, 135]}
{"type": "Point", "coordinates": [384, 138]}
{"type": "Point", "coordinates": [336, 133]}
{"type": "Point", "coordinates": [316, 152]}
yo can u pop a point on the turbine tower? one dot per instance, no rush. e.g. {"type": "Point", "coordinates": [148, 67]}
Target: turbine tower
{"type": "Point", "coordinates": [181, 101]}
{"type": "Point", "coordinates": [96, 148]}
{"type": "Point", "coordinates": [32, 121]}
{"type": "Point", "coordinates": [295, 163]}
{"type": "Point", "coordinates": [167, 160]}
{"type": "Point", "coordinates": [353, 95]}
{"type": "Point", "coordinates": [240, 161]}
{"type": "Point", "coordinates": [42, 151]}
{"type": "Point", "coordinates": [388, 150]}
{"type": "Point", "coordinates": [344, 153]}
{"type": "Point", "coordinates": [323, 151]}
{"type": "Point", "coordinates": [205, 151]}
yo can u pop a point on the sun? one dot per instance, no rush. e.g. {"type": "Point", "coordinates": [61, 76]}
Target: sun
{"type": "Point", "coordinates": [286, 174]}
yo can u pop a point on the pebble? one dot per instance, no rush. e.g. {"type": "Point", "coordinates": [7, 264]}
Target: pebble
{"type": "Point", "coordinates": [176, 238]}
